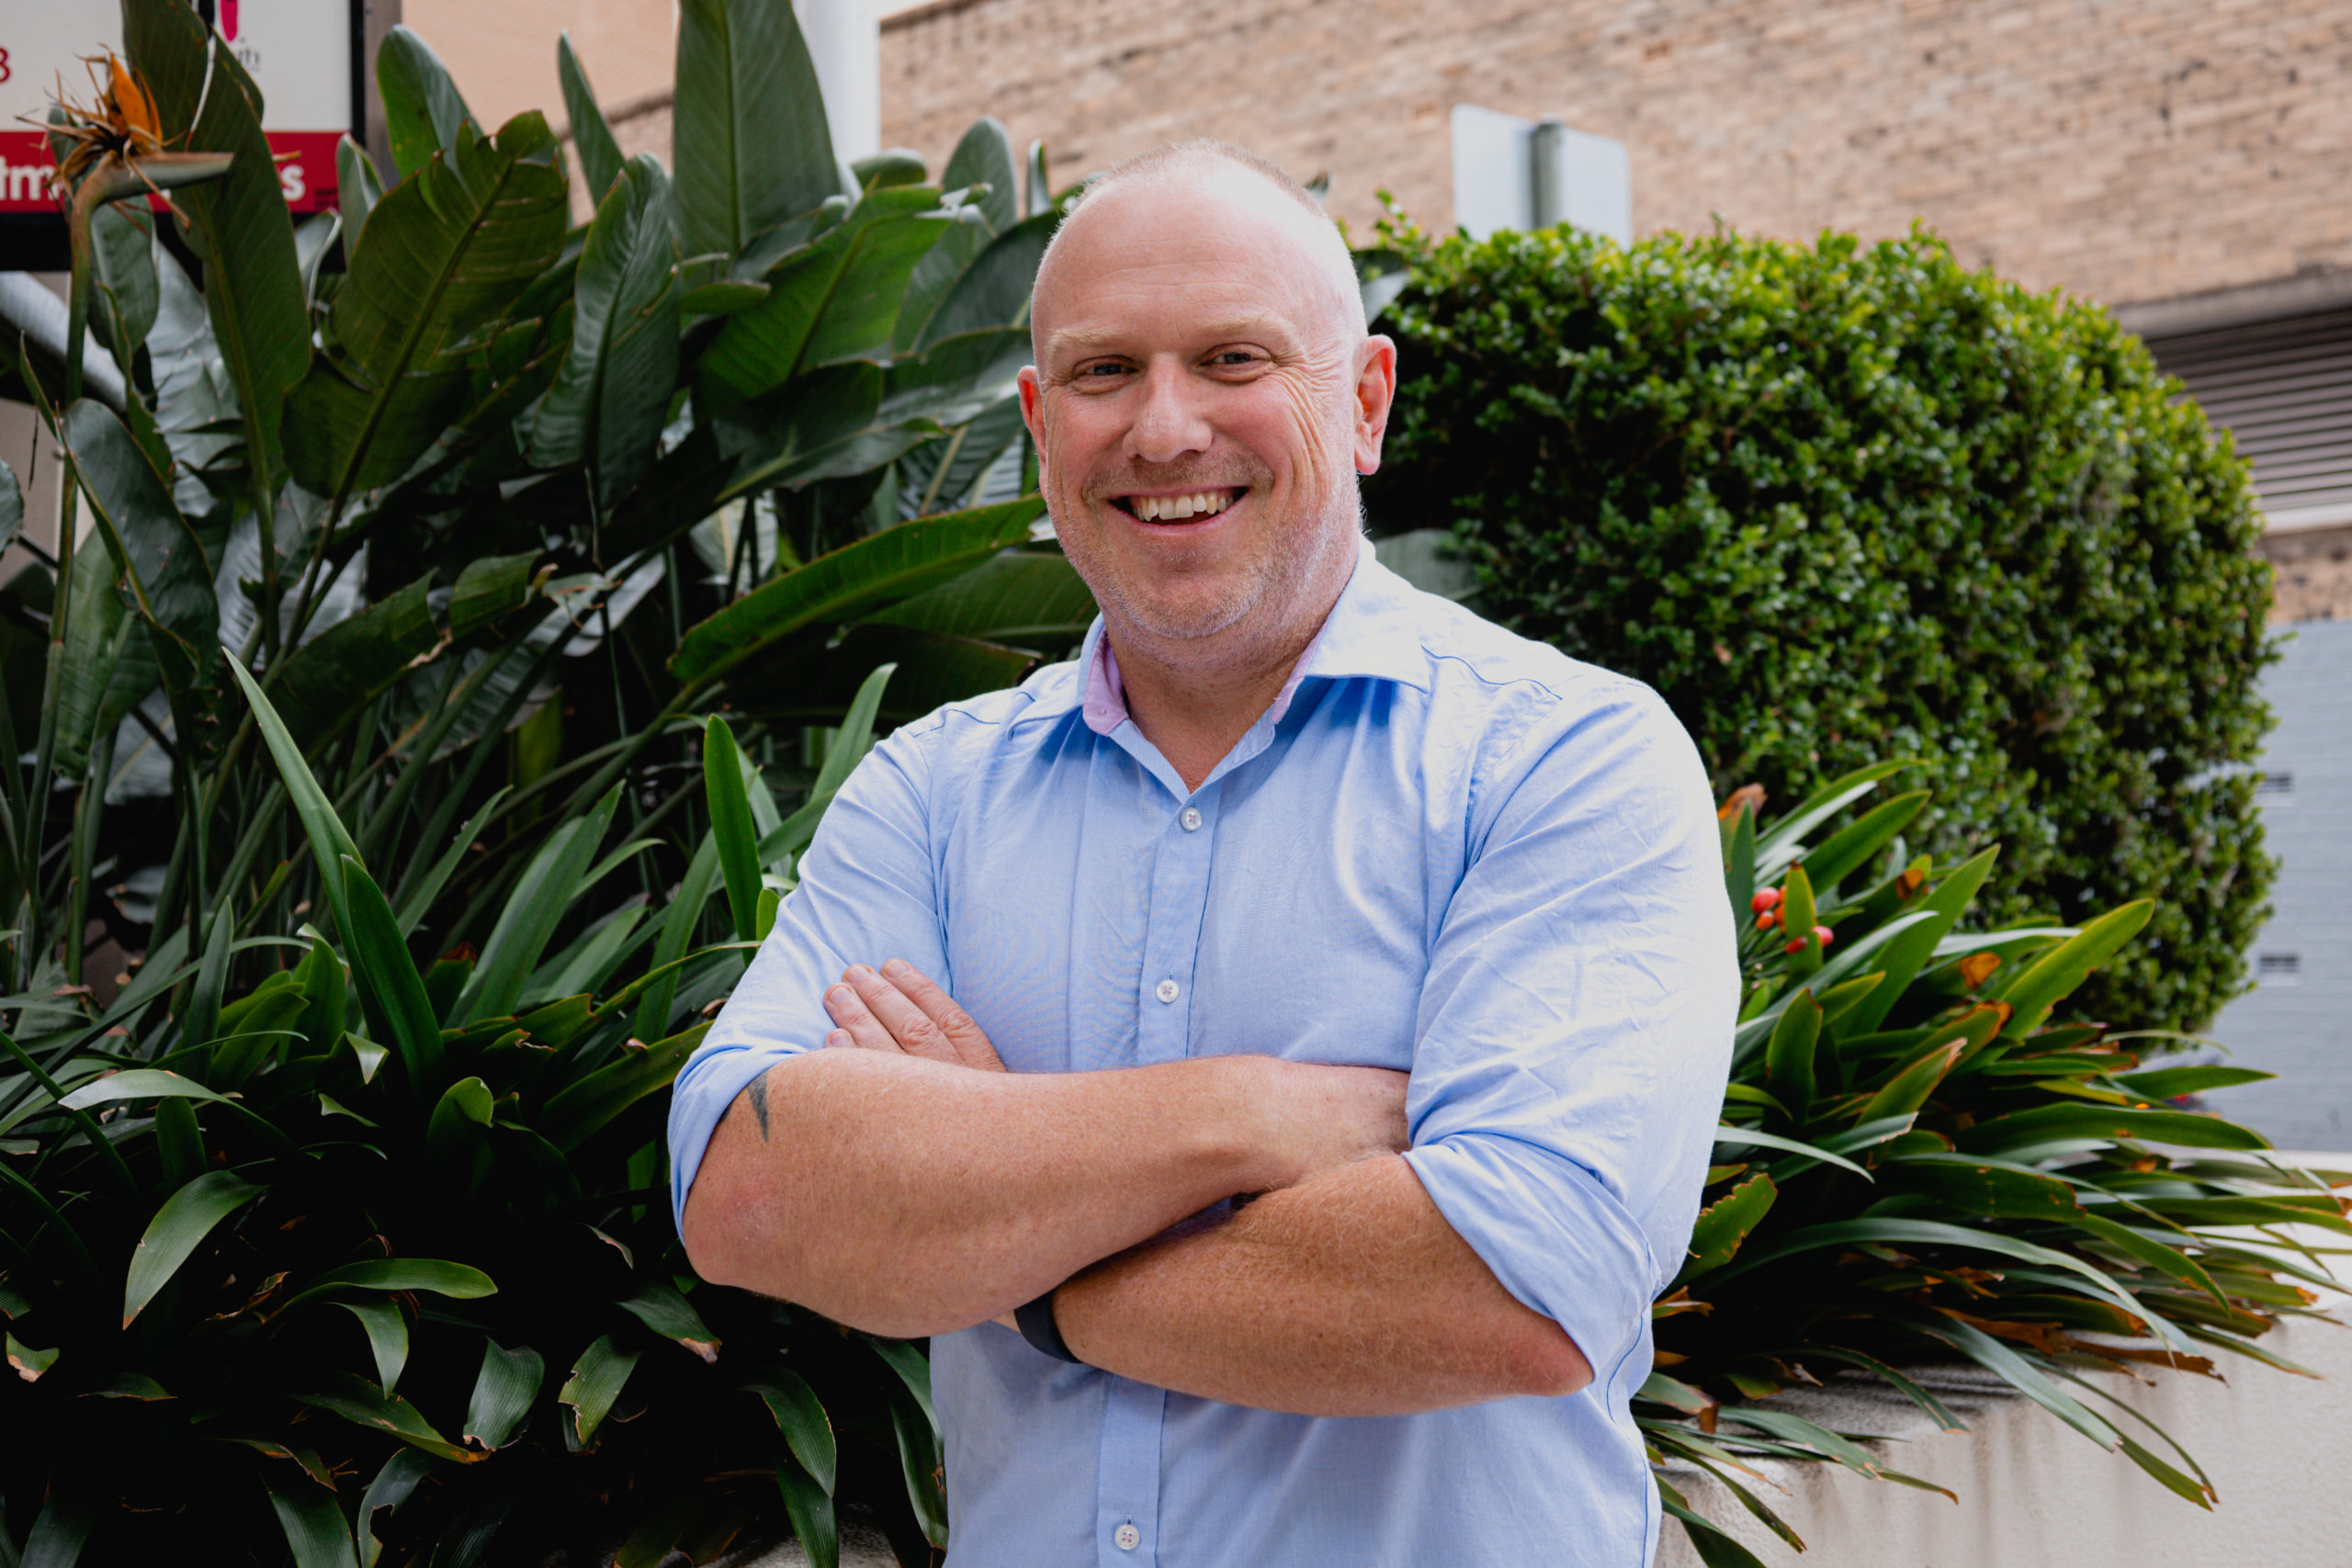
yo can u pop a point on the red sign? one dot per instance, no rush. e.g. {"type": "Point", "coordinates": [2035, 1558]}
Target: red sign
{"type": "Point", "coordinates": [305, 169]}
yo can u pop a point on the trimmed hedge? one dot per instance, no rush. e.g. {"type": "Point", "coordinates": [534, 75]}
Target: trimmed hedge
{"type": "Point", "coordinates": [1840, 502]}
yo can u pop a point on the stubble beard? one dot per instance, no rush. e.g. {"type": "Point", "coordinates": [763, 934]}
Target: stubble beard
{"type": "Point", "coordinates": [1283, 565]}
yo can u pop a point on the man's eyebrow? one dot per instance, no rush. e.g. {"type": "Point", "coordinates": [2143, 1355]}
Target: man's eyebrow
{"type": "Point", "coordinates": [1081, 338]}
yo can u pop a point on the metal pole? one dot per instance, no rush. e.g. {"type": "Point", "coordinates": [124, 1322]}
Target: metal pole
{"type": "Point", "coordinates": [1547, 173]}
{"type": "Point", "coordinates": [846, 42]}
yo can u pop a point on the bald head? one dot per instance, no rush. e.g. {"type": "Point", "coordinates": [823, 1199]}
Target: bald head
{"type": "Point", "coordinates": [1203, 170]}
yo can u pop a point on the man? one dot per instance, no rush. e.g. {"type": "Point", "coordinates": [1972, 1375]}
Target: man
{"type": "Point", "coordinates": [1286, 832]}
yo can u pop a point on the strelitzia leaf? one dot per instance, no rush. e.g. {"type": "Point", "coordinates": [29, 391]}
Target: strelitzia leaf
{"type": "Point", "coordinates": [730, 824]}
{"type": "Point", "coordinates": [750, 138]}
{"type": "Point", "coordinates": [330, 839]}
{"type": "Point", "coordinates": [883, 568]}
{"type": "Point", "coordinates": [186, 1217]}
{"type": "Point", "coordinates": [423, 107]}
{"type": "Point", "coordinates": [600, 155]}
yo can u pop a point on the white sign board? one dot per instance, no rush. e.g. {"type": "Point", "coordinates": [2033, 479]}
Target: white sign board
{"type": "Point", "coordinates": [1495, 177]}
{"type": "Point", "coordinates": [298, 52]}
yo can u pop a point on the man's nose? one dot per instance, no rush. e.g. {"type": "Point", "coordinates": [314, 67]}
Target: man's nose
{"type": "Point", "coordinates": [1169, 421]}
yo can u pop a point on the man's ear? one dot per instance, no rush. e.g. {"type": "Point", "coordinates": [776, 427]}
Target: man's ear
{"type": "Point", "coordinates": [1376, 394]}
{"type": "Point", "coordinates": [1032, 405]}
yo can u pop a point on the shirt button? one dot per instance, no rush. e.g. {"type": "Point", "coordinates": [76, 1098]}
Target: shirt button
{"type": "Point", "coordinates": [1191, 819]}
{"type": "Point", "coordinates": [1167, 992]}
{"type": "Point", "coordinates": [1128, 1538]}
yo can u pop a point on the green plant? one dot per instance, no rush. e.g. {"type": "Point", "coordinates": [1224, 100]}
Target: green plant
{"type": "Point", "coordinates": [496, 509]}
{"type": "Point", "coordinates": [1843, 502]}
{"type": "Point", "coordinates": [374, 1263]}
{"type": "Point", "coordinates": [1918, 1165]}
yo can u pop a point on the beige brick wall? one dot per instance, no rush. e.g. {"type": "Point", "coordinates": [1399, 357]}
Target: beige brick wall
{"type": "Point", "coordinates": [2128, 150]}
{"type": "Point", "coordinates": [502, 52]}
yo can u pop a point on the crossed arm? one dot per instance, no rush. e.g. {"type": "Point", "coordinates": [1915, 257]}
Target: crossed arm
{"type": "Point", "coordinates": [904, 1183]}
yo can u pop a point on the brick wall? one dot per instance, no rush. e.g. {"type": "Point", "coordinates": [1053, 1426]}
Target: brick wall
{"type": "Point", "coordinates": [2128, 150]}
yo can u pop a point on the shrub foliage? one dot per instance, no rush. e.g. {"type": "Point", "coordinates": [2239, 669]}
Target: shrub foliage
{"type": "Point", "coordinates": [1840, 502]}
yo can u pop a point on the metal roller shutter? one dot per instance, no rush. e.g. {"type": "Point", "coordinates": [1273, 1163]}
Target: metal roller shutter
{"type": "Point", "coordinates": [2284, 390]}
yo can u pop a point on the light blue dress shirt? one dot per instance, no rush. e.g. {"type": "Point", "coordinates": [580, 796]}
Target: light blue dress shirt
{"type": "Point", "coordinates": [1445, 849]}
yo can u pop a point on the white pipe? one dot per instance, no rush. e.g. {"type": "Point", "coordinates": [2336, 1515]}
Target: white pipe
{"type": "Point", "coordinates": [845, 41]}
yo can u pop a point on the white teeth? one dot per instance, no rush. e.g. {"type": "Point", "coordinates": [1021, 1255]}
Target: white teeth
{"type": "Point", "coordinates": [1176, 508]}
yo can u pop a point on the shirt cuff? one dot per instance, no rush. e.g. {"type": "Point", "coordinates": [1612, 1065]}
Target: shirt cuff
{"type": "Point", "coordinates": [1553, 1235]}
{"type": "Point", "coordinates": [699, 1098]}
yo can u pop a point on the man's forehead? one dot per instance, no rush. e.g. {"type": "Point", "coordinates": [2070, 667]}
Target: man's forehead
{"type": "Point", "coordinates": [1189, 254]}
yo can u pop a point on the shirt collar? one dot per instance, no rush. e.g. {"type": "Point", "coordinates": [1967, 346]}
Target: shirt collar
{"type": "Point", "coordinates": [1370, 632]}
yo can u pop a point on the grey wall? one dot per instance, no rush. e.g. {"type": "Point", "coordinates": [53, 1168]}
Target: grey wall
{"type": "Point", "coordinates": [2297, 1021]}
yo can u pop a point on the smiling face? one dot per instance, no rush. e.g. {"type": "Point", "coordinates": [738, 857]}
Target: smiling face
{"type": "Point", "coordinates": [1203, 400]}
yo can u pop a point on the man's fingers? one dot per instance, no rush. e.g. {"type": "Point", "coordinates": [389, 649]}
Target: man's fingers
{"type": "Point", "coordinates": [909, 1026]}
{"type": "Point", "coordinates": [972, 1045]}
{"type": "Point", "coordinates": [859, 1027]}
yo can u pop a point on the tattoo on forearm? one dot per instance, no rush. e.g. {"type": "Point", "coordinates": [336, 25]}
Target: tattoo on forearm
{"type": "Point", "coordinates": [758, 1095]}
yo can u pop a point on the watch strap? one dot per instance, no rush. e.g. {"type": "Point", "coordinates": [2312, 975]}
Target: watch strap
{"type": "Point", "coordinates": [1038, 1327]}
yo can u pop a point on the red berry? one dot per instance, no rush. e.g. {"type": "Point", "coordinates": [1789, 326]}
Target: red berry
{"type": "Point", "coordinates": [1824, 935]}
{"type": "Point", "coordinates": [1768, 898]}
{"type": "Point", "coordinates": [1767, 921]}
{"type": "Point", "coordinates": [1797, 946]}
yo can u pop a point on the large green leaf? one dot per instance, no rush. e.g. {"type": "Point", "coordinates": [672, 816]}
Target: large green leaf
{"type": "Point", "coordinates": [1905, 955]}
{"type": "Point", "coordinates": [136, 1083]}
{"type": "Point", "coordinates": [810, 1509]}
{"type": "Point", "coordinates": [362, 1403]}
{"type": "Point", "coordinates": [100, 636]}
{"type": "Point", "coordinates": [533, 911]}
{"type": "Point", "coordinates": [505, 1390]}
{"type": "Point", "coordinates": [587, 1105]}
{"type": "Point", "coordinates": [357, 190]}
{"type": "Point", "coordinates": [956, 379]}
{"type": "Point", "coordinates": [678, 923]}
{"type": "Point", "coordinates": [881, 570]}
{"type": "Point", "coordinates": [2053, 976]}
{"type": "Point", "coordinates": [611, 398]}
{"type": "Point", "coordinates": [994, 290]}
{"type": "Point", "coordinates": [387, 977]}
{"type": "Point", "coordinates": [165, 570]}
{"type": "Point", "coordinates": [802, 1420]}
{"type": "Point", "coordinates": [984, 157]}
{"type": "Point", "coordinates": [1726, 1223]}
{"type": "Point", "coordinates": [600, 155]}
{"type": "Point", "coordinates": [316, 1533]}
{"type": "Point", "coordinates": [329, 840]}
{"type": "Point", "coordinates": [748, 125]}
{"type": "Point", "coordinates": [596, 1382]}
{"type": "Point", "coordinates": [186, 1217]}
{"type": "Point", "coordinates": [662, 1309]}
{"type": "Point", "coordinates": [343, 669]}
{"type": "Point", "coordinates": [387, 1329]}
{"type": "Point", "coordinates": [423, 107]}
{"type": "Point", "coordinates": [730, 823]}
{"type": "Point", "coordinates": [833, 298]}
{"type": "Point", "coordinates": [445, 253]}
{"type": "Point", "coordinates": [440, 1277]}
{"type": "Point", "coordinates": [2045, 1123]}
{"type": "Point", "coordinates": [237, 224]}
{"type": "Point", "coordinates": [821, 425]}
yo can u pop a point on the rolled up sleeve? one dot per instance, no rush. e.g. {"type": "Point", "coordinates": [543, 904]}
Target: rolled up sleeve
{"type": "Point", "coordinates": [866, 896]}
{"type": "Point", "coordinates": [1575, 1030]}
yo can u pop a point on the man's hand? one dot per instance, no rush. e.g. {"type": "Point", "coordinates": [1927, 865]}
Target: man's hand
{"type": "Point", "coordinates": [1325, 1115]}
{"type": "Point", "coordinates": [901, 1009]}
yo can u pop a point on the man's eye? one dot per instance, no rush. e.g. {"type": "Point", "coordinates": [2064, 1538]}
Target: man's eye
{"type": "Point", "coordinates": [1104, 370]}
{"type": "Point", "coordinates": [1232, 358]}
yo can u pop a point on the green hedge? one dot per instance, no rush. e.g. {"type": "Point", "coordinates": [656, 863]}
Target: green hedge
{"type": "Point", "coordinates": [1840, 503]}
